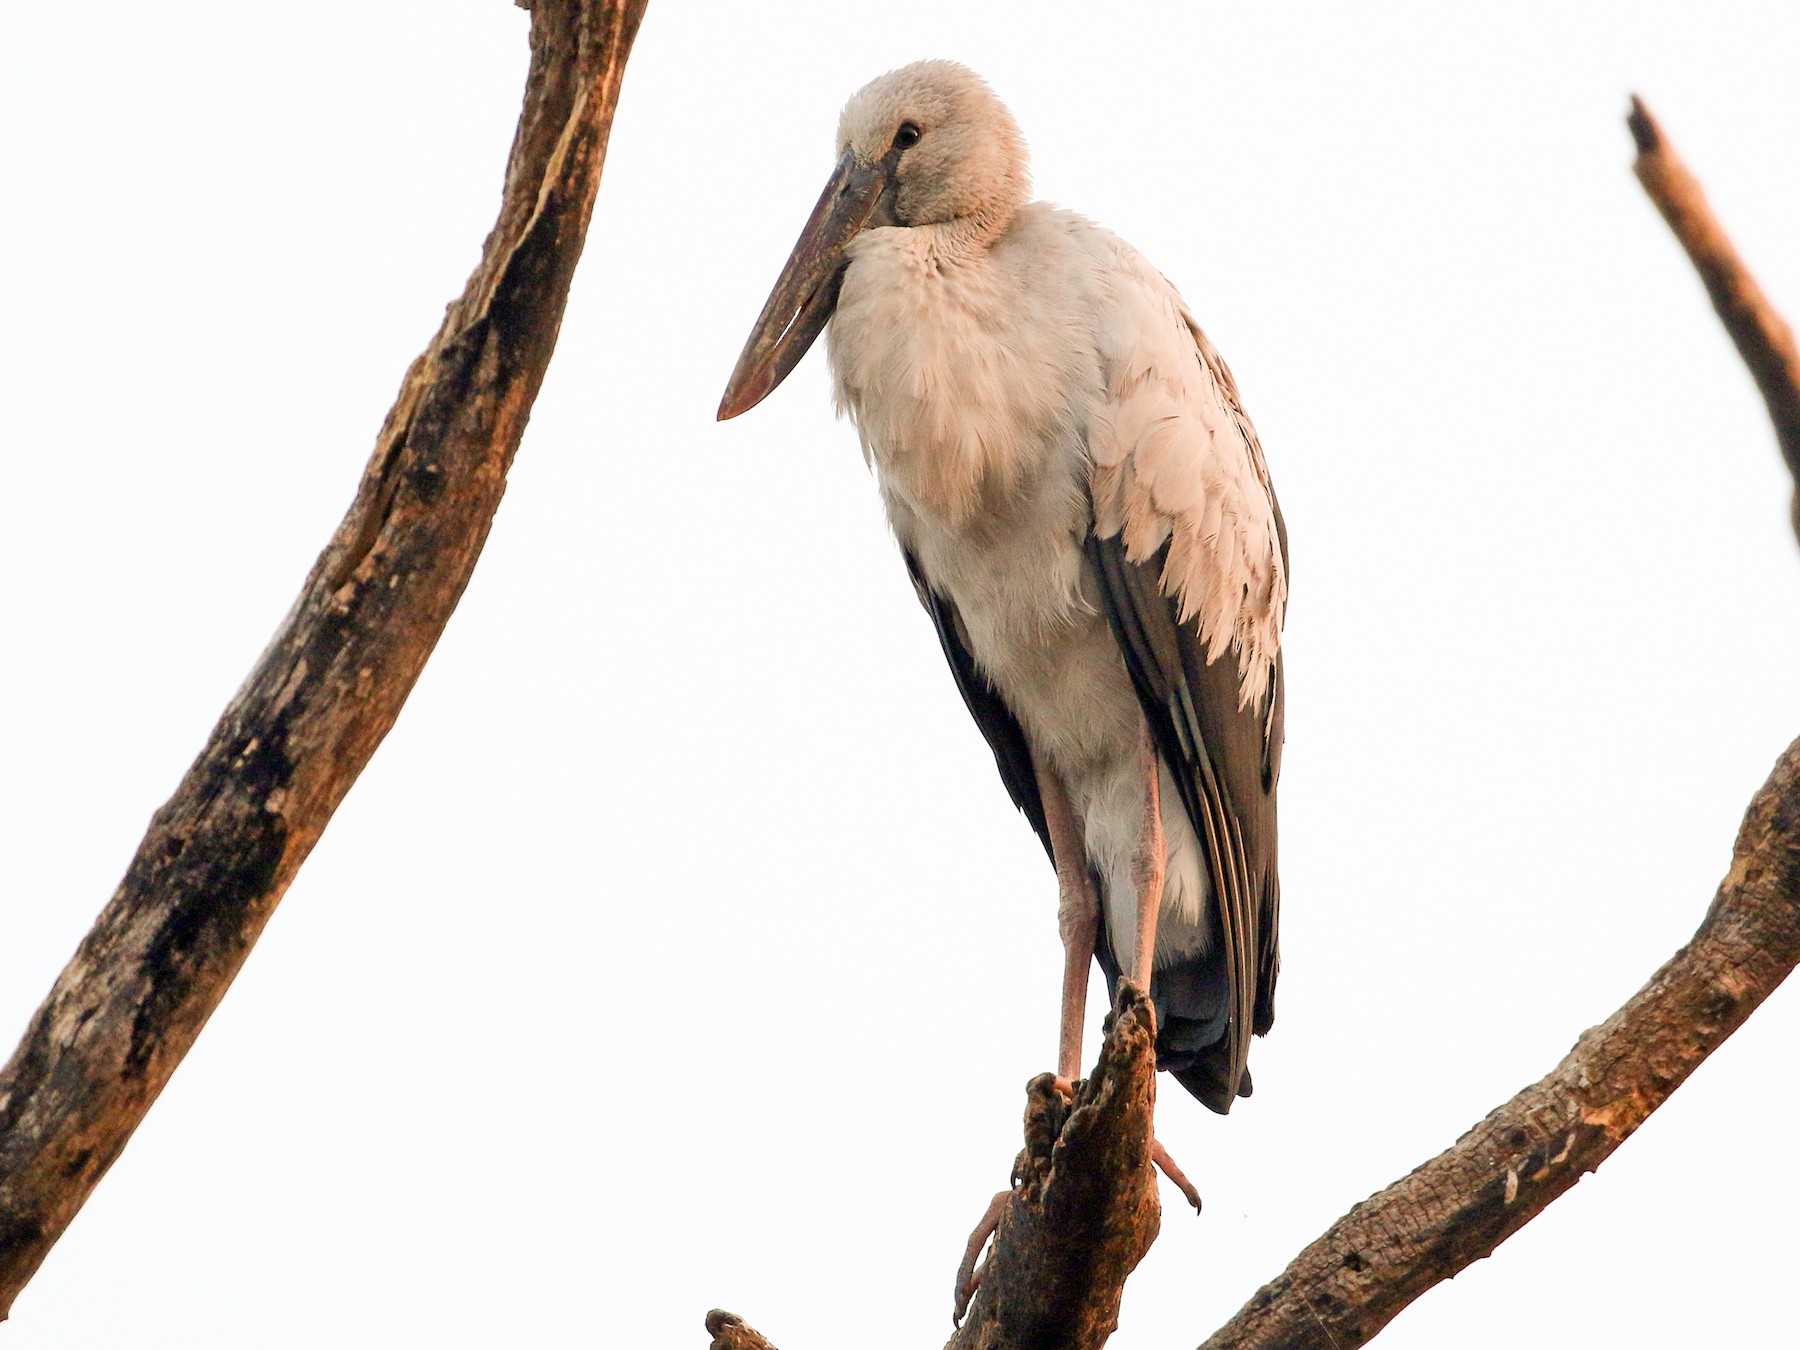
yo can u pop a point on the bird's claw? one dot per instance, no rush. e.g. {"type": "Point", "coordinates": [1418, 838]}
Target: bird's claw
{"type": "Point", "coordinates": [1172, 1170]}
{"type": "Point", "coordinates": [968, 1274]}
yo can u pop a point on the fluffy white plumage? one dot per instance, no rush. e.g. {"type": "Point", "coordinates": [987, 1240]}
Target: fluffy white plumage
{"type": "Point", "coordinates": [1176, 460]}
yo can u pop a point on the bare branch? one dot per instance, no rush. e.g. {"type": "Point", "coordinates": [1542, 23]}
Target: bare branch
{"type": "Point", "coordinates": [219, 855]}
{"type": "Point", "coordinates": [1462, 1204]}
{"type": "Point", "coordinates": [729, 1332]}
{"type": "Point", "coordinates": [1763, 338]}
{"type": "Point", "coordinates": [1082, 1211]}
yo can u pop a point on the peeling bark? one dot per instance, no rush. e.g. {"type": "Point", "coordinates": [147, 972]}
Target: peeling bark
{"type": "Point", "coordinates": [219, 855]}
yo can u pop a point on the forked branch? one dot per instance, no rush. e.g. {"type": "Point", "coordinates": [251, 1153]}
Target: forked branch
{"type": "Point", "coordinates": [221, 852]}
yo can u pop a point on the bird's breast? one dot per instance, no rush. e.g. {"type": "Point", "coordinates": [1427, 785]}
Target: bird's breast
{"type": "Point", "coordinates": [965, 382]}
{"type": "Point", "coordinates": [969, 375]}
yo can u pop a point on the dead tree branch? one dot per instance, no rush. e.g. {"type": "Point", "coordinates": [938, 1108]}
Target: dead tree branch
{"type": "Point", "coordinates": [1462, 1204]}
{"type": "Point", "coordinates": [1082, 1212]}
{"type": "Point", "coordinates": [221, 852]}
{"type": "Point", "coordinates": [1763, 338]}
{"type": "Point", "coordinates": [730, 1333]}
{"type": "Point", "coordinates": [1083, 1209]}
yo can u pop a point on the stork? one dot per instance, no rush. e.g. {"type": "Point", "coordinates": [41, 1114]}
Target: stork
{"type": "Point", "coordinates": [1086, 515]}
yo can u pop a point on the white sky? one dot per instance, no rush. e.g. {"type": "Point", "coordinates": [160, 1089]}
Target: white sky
{"type": "Point", "coordinates": [680, 946]}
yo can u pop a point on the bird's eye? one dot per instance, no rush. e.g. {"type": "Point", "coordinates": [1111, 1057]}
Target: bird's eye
{"type": "Point", "coordinates": [907, 136]}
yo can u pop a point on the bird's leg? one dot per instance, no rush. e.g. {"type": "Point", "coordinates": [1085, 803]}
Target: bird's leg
{"type": "Point", "coordinates": [1077, 918]}
{"type": "Point", "coordinates": [968, 1274]}
{"type": "Point", "coordinates": [1149, 870]}
{"type": "Point", "coordinates": [1149, 864]}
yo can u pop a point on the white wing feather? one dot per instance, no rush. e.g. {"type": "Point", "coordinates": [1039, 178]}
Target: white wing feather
{"type": "Point", "coordinates": [1176, 461]}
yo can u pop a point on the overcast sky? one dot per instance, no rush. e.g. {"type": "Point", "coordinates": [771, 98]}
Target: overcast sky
{"type": "Point", "coordinates": [680, 947]}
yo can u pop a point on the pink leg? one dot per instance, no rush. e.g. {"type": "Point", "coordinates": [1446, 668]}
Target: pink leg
{"type": "Point", "coordinates": [1172, 1170]}
{"type": "Point", "coordinates": [1077, 915]}
{"type": "Point", "coordinates": [968, 1274]}
{"type": "Point", "coordinates": [1149, 870]}
{"type": "Point", "coordinates": [1077, 918]}
{"type": "Point", "coordinates": [1149, 865]}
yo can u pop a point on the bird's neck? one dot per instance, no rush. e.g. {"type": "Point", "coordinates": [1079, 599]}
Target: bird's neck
{"type": "Point", "coordinates": [966, 237]}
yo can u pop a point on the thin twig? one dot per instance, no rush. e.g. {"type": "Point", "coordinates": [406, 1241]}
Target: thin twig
{"type": "Point", "coordinates": [1763, 337]}
{"type": "Point", "coordinates": [219, 855]}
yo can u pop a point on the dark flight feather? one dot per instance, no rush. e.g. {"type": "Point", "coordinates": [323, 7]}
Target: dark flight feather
{"type": "Point", "coordinates": [1005, 737]}
{"type": "Point", "coordinates": [1225, 761]}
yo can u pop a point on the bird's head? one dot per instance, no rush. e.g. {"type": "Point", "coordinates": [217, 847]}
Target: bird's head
{"type": "Point", "coordinates": [947, 147]}
{"type": "Point", "coordinates": [926, 145]}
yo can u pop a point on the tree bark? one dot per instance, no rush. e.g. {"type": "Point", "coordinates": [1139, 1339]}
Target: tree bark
{"type": "Point", "coordinates": [1081, 1213]}
{"type": "Point", "coordinates": [729, 1332]}
{"type": "Point", "coordinates": [219, 855]}
{"type": "Point", "coordinates": [1083, 1208]}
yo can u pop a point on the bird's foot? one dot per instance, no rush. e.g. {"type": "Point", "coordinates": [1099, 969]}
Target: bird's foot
{"type": "Point", "coordinates": [968, 1274]}
{"type": "Point", "coordinates": [1172, 1170]}
{"type": "Point", "coordinates": [1063, 1087]}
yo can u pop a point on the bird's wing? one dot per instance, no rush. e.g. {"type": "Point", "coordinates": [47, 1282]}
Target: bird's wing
{"type": "Point", "coordinates": [1191, 556]}
{"type": "Point", "coordinates": [1012, 754]}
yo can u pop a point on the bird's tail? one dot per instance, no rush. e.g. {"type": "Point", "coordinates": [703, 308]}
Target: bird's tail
{"type": "Point", "coordinates": [1192, 1016]}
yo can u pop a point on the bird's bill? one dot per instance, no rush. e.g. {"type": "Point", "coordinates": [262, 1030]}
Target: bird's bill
{"type": "Point", "coordinates": [807, 290]}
